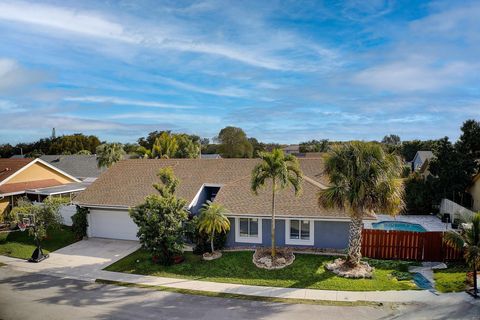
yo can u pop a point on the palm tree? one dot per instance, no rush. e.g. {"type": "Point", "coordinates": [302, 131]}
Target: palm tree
{"type": "Point", "coordinates": [212, 219]}
{"type": "Point", "coordinates": [283, 170]}
{"type": "Point", "coordinates": [363, 180]}
{"type": "Point", "coordinates": [109, 153]}
{"type": "Point", "coordinates": [469, 241]}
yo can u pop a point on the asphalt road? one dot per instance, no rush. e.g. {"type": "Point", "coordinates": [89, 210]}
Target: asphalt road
{"type": "Point", "coordinates": [35, 296]}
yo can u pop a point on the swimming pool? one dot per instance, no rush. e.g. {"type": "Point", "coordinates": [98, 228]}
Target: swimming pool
{"type": "Point", "coordinates": [398, 225]}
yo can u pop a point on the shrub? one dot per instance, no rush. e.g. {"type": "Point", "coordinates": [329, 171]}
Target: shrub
{"type": "Point", "coordinates": [201, 241]}
{"type": "Point", "coordinates": [80, 222]}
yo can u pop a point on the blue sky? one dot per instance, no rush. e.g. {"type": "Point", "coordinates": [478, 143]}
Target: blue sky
{"type": "Point", "coordinates": [284, 71]}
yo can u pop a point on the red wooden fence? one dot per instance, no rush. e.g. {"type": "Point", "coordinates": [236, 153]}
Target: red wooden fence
{"type": "Point", "coordinates": [407, 245]}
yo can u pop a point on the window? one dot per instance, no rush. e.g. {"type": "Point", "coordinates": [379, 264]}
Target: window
{"type": "Point", "coordinates": [299, 232]}
{"type": "Point", "coordinates": [248, 230]}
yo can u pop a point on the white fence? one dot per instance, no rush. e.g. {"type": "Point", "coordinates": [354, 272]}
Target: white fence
{"type": "Point", "coordinates": [454, 209]}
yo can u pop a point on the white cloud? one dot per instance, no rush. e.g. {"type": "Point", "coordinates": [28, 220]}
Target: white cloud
{"type": "Point", "coordinates": [127, 102]}
{"type": "Point", "coordinates": [169, 118]}
{"type": "Point", "coordinates": [226, 91]}
{"type": "Point", "coordinates": [13, 76]}
{"type": "Point", "coordinates": [85, 23]}
{"type": "Point", "coordinates": [259, 50]}
{"type": "Point", "coordinates": [414, 75]}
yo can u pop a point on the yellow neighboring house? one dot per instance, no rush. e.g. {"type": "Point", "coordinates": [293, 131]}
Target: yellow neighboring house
{"type": "Point", "coordinates": [475, 192]}
{"type": "Point", "coordinates": [33, 178]}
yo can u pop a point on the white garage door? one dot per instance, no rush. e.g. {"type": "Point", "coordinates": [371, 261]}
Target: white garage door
{"type": "Point", "coordinates": [112, 224]}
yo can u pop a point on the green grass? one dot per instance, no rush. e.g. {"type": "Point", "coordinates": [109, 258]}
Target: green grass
{"type": "Point", "coordinates": [451, 279]}
{"type": "Point", "coordinates": [21, 245]}
{"type": "Point", "coordinates": [307, 271]}
{"type": "Point", "coordinates": [242, 296]}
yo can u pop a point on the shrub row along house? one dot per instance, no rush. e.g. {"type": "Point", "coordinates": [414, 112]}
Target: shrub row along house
{"type": "Point", "coordinates": [300, 221]}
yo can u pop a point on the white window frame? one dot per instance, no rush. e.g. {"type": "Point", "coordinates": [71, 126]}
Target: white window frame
{"type": "Point", "coordinates": [238, 238]}
{"type": "Point", "coordinates": [309, 242]}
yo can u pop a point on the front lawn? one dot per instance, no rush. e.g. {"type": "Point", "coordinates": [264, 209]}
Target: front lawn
{"type": "Point", "coordinates": [451, 279]}
{"type": "Point", "coordinates": [236, 267]}
{"type": "Point", "coordinates": [21, 245]}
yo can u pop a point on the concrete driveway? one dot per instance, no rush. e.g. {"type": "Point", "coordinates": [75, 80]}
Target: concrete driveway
{"type": "Point", "coordinates": [81, 260]}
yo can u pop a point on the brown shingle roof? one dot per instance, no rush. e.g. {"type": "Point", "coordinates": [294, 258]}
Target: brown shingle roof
{"type": "Point", "coordinates": [9, 166]}
{"type": "Point", "coordinates": [128, 182]}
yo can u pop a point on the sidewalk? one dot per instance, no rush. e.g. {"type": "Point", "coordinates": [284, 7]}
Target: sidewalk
{"type": "Point", "coordinates": [406, 296]}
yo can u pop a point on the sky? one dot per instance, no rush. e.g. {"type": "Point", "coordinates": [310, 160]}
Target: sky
{"type": "Point", "coordinates": [284, 71]}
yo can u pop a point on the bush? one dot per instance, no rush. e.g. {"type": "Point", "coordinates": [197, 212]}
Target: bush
{"type": "Point", "coordinates": [200, 241]}
{"type": "Point", "coordinates": [80, 222]}
{"type": "Point", "coordinates": [402, 275]}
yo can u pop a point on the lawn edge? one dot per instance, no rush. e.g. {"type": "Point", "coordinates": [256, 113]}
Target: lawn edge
{"type": "Point", "coordinates": [244, 297]}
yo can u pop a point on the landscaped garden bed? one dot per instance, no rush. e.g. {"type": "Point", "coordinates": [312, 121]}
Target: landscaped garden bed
{"type": "Point", "coordinates": [19, 244]}
{"type": "Point", "coordinates": [307, 271]}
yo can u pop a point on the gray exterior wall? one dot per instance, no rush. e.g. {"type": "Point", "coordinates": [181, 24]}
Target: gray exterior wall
{"type": "Point", "coordinates": [327, 234]}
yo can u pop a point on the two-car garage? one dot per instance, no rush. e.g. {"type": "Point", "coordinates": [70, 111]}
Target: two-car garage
{"type": "Point", "coordinates": [112, 224]}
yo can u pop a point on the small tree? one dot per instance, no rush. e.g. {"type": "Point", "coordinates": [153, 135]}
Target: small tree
{"type": "Point", "coordinates": [45, 216]}
{"type": "Point", "coordinates": [160, 219]}
{"type": "Point", "coordinates": [469, 241]}
{"type": "Point", "coordinates": [283, 170]}
{"type": "Point", "coordinates": [212, 219]}
{"type": "Point", "coordinates": [109, 153]}
{"type": "Point", "coordinates": [80, 222]}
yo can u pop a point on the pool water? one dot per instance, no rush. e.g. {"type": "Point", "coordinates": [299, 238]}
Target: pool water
{"type": "Point", "coordinates": [398, 225]}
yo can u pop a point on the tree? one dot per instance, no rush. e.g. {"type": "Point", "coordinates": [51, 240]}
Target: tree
{"type": "Point", "coordinates": [109, 153]}
{"type": "Point", "coordinates": [363, 179]}
{"type": "Point", "coordinates": [165, 146]}
{"type": "Point", "coordinates": [315, 146]}
{"type": "Point", "coordinates": [418, 194]}
{"type": "Point", "coordinates": [283, 170]}
{"type": "Point", "coordinates": [43, 218]}
{"type": "Point", "coordinates": [452, 171]}
{"type": "Point", "coordinates": [213, 220]}
{"type": "Point", "coordinates": [408, 149]}
{"type": "Point", "coordinates": [469, 142]}
{"type": "Point", "coordinates": [468, 241]}
{"type": "Point", "coordinates": [234, 143]}
{"type": "Point", "coordinates": [391, 139]}
{"type": "Point", "coordinates": [84, 152]}
{"type": "Point", "coordinates": [160, 219]}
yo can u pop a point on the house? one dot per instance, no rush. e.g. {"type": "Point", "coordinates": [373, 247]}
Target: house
{"type": "Point", "coordinates": [421, 161]}
{"type": "Point", "coordinates": [210, 156]}
{"type": "Point", "coordinates": [474, 191]}
{"type": "Point", "coordinates": [300, 221]}
{"type": "Point", "coordinates": [292, 149]}
{"type": "Point", "coordinates": [35, 179]}
{"type": "Point", "coordinates": [82, 167]}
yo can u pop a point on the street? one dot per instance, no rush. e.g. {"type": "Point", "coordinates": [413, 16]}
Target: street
{"type": "Point", "coordinates": [37, 296]}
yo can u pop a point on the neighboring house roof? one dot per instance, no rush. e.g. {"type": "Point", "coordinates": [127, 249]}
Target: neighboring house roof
{"type": "Point", "coordinates": [292, 148]}
{"type": "Point", "coordinates": [424, 155]}
{"type": "Point", "coordinates": [17, 156]}
{"type": "Point", "coordinates": [128, 182]}
{"type": "Point", "coordinates": [79, 166]}
{"type": "Point", "coordinates": [10, 166]}
{"type": "Point", "coordinates": [20, 187]}
{"type": "Point", "coordinates": [211, 156]}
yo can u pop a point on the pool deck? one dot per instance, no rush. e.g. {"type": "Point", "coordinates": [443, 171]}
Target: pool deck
{"type": "Point", "coordinates": [429, 222]}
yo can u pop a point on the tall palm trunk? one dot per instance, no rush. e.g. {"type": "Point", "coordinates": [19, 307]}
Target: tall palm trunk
{"type": "Point", "coordinates": [274, 251]}
{"type": "Point", "coordinates": [355, 240]}
{"type": "Point", "coordinates": [211, 240]}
